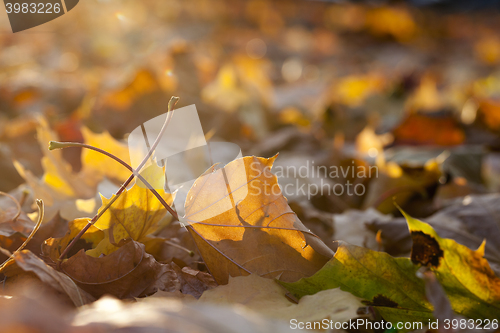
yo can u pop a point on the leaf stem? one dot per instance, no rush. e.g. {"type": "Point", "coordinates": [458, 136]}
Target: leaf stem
{"type": "Point", "coordinates": [57, 145]}
{"type": "Point", "coordinates": [61, 145]}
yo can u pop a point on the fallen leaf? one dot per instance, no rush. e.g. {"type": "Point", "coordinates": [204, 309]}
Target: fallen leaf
{"type": "Point", "coordinates": [442, 307]}
{"type": "Point", "coordinates": [32, 311]}
{"type": "Point", "coordinates": [125, 273]}
{"type": "Point", "coordinates": [240, 207]}
{"type": "Point", "coordinates": [59, 187]}
{"type": "Point", "coordinates": [134, 215]}
{"type": "Point", "coordinates": [425, 96]}
{"type": "Point", "coordinates": [193, 282]}
{"type": "Point", "coordinates": [388, 284]}
{"type": "Point", "coordinates": [468, 221]}
{"type": "Point", "coordinates": [237, 82]}
{"type": "Point", "coordinates": [98, 165]}
{"type": "Point", "coordinates": [53, 247]}
{"type": "Point", "coordinates": [15, 225]}
{"type": "Point", "coordinates": [267, 298]}
{"type": "Point", "coordinates": [392, 286]}
{"type": "Point", "coordinates": [318, 221]}
{"type": "Point", "coordinates": [351, 227]}
{"type": "Point", "coordinates": [25, 262]}
{"type": "Point", "coordinates": [471, 285]}
{"type": "Point", "coordinates": [399, 183]}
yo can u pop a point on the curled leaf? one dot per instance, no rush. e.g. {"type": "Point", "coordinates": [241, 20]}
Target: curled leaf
{"type": "Point", "coordinates": [127, 272]}
{"type": "Point", "coordinates": [25, 262]}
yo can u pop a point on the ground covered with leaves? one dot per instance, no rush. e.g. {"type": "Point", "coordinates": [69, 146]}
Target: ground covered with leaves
{"type": "Point", "coordinates": [380, 124]}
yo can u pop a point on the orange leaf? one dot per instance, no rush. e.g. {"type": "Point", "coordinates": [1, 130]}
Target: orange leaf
{"type": "Point", "coordinates": [242, 224]}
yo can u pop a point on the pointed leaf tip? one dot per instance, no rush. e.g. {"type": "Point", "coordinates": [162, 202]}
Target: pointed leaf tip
{"type": "Point", "coordinates": [480, 249]}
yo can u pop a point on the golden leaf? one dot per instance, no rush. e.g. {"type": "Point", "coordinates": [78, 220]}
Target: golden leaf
{"type": "Point", "coordinates": [134, 215]}
{"type": "Point", "coordinates": [242, 224]}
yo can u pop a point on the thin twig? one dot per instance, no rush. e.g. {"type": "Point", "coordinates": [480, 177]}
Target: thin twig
{"type": "Point", "coordinates": [62, 145]}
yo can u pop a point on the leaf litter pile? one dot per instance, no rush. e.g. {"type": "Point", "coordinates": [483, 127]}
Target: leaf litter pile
{"type": "Point", "coordinates": [387, 123]}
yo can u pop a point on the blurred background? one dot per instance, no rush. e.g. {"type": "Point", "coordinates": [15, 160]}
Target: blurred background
{"type": "Point", "coordinates": [411, 87]}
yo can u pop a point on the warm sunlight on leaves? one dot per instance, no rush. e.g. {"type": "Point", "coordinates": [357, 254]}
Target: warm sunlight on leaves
{"type": "Point", "coordinates": [240, 207]}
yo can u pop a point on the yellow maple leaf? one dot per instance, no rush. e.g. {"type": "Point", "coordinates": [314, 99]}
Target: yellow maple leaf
{"type": "Point", "coordinates": [134, 215]}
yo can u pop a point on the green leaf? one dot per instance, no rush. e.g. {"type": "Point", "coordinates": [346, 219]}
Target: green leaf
{"type": "Point", "coordinates": [392, 286]}
{"type": "Point", "coordinates": [389, 284]}
{"type": "Point", "coordinates": [466, 276]}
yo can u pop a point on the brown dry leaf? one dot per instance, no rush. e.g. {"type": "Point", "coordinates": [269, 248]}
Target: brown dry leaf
{"type": "Point", "coordinates": [127, 272]}
{"type": "Point", "coordinates": [351, 227]}
{"type": "Point", "coordinates": [31, 311]}
{"type": "Point", "coordinates": [23, 314]}
{"type": "Point", "coordinates": [15, 225]}
{"type": "Point", "coordinates": [10, 209]}
{"type": "Point", "coordinates": [266, 297]}
{"type": "Point", "coordinates": [26, 263]}
{"type": "Point", "coordinates": [193, 282]}
{"type": "Point", "coordinates": [242, 224]}
{"type": "Point", "coordinates": [53, 228]}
